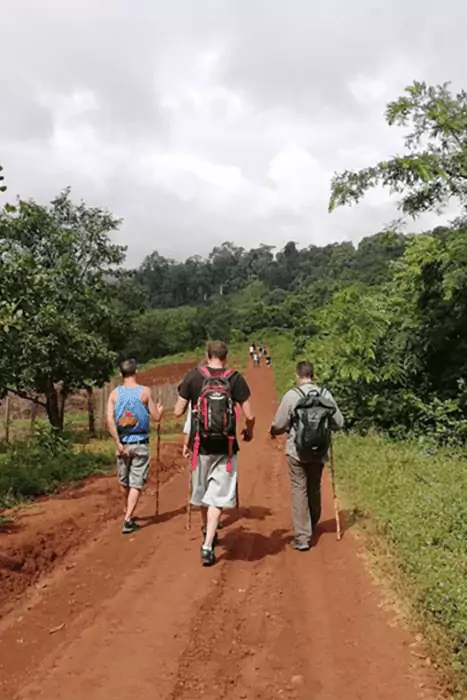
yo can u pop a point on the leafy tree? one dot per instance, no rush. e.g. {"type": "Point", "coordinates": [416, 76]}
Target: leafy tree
{"type": "Point", "coordinates": [57, 312]}
{"type": "Point", "coordinates": [430, 292]}
{"type": "Point", "coordinates": [434, 168]}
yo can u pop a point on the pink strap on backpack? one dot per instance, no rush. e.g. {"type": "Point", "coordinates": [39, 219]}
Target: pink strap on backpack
{"type": "Point", "coordinates": [206, 373]}
{"type": "Point", "coordinates": [231, 440]}
{"type": "Point", "coordinates": [195, 455]}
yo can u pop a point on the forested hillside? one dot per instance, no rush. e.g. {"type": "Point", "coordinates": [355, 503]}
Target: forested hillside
{"type": "Point", "coordinates": [385, 321]}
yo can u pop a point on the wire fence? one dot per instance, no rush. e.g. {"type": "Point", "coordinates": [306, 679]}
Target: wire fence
{"type": "Point", "coordinates": [83, 411]}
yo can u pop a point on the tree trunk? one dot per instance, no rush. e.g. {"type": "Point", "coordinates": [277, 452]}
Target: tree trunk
{"type": "Point", "coordinates": [54, 407]}
{"type": "Point", "coordinates": [61, 406]}
{"type": "Point", "coordinates": [91, 416]}
{"type": "Point", "coordinates": [7, 418]}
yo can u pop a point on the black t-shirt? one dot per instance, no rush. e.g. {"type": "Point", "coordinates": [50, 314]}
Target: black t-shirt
{"type": "Point", "coordinates": [190, 390]}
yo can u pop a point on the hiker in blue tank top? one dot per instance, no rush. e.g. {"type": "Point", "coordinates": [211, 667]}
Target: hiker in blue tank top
{"type": "Point", "coordinates": [129, 411]}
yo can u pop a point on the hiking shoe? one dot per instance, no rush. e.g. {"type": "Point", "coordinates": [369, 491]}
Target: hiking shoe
{"type": "Point", "coordinates": [130, 526]}
{"type": "Point", "coordinates": [208, 558]}
{"type": "Point", "coordinates": [300, 546]}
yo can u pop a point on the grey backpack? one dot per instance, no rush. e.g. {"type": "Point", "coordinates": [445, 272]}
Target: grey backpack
{"type": "Point", "coordinates": [312, 420]}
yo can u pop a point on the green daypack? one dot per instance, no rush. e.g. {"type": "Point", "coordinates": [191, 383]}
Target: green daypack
{"type": "Point", "coordinates": [312, 420]}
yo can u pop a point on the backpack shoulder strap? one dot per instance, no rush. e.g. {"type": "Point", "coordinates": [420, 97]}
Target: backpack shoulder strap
{"type": "Point", "coordinates": [204, 371]}
{"type": "Point", "coordinates": [300, 392]}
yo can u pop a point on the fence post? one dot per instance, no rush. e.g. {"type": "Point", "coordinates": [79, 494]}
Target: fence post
{"type": "Point", "coordinates": [91, 416]}
{"type": "Point", "coordinates": [7, 418]}
{"type": "Point", "coordinates": [102, 409]}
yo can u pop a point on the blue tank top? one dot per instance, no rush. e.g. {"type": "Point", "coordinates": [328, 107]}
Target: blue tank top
{"type": "Point", "coordinates": [131, 415]}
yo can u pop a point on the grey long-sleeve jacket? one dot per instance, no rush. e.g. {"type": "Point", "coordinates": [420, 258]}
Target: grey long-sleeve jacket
{"type": "Point", "coordinates": [282, 421]}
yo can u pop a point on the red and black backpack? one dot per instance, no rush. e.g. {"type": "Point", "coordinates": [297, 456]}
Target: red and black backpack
{"type": "Point", "coordinates": [215, 415]}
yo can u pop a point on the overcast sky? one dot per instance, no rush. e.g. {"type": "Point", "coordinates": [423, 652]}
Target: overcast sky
{"type": "Point", "coordinates": [201, 121]}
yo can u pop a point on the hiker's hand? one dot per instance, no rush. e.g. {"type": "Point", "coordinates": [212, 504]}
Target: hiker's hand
{"type": "Point", "coordinates": [121, 450]}
{"type": "Point", "coordinates": [247, 436]}
{"type": "Point", "coordinates": [186, 452]}
{"type": "Point", "coordinates": [160, 410]}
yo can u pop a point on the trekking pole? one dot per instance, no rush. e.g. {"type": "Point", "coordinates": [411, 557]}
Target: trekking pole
{"type": "Point", "coordinates": [334, 495]}
{"type": "Point", "coordinates": [158, 465]}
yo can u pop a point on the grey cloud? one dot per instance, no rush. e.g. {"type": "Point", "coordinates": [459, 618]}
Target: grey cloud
{"type": "Point", "coordinates": [289, 64]}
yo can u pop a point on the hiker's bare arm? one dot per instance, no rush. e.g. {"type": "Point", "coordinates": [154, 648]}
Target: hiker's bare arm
{"type": "Point", "coordinates": [180, 407]}
{"type": "Point", "coordinates": [338, 418]}
{"type": "Point", "coordinates": [111, 425]}
{"type": "Point", "coordinates": [281, 421]}
{"type": "Point", "coordinates": [249, 418]}
{"type": "Point", "coordinates": [156, 410]}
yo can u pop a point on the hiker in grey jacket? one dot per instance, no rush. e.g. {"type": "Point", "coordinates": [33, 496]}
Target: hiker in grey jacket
{"type": "Point", "coordinates": [305, 477]}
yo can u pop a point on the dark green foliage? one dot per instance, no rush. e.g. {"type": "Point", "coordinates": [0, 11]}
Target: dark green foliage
{"type": "Point", "coordinates": [237, 293]}
{"type": "Point", "coordinates": [230, 269]}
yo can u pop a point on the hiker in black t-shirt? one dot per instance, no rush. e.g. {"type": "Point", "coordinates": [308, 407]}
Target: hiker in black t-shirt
{"type": "Point", "coordinates": [210, 388]}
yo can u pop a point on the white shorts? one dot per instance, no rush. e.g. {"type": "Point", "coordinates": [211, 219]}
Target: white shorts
{"type": "Point", "coordinates": [212, 484]}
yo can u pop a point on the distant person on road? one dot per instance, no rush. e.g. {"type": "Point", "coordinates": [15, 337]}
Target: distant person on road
{"type": "Point", "coordinates": [252, 350]}
{"type": "Point", "coordinates": [256, 359]}
{"type": "Point", "coordinates": [215, 392]}
{"type": "Point", "coordinates": [306, 413]}
{"type": "Point", "coordinates": [129, 410]}
{"type": "Point", "coordinates": [268, 360]}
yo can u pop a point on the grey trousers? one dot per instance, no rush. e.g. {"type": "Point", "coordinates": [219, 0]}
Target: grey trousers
{"type": "Point", "coordinates": [305, 482]}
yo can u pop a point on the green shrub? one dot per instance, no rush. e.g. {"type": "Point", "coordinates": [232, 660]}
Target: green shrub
{"type": "Point", "coordinates": [41, 464]}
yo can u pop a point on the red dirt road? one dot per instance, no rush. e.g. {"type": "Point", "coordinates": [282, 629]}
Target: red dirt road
{"type": "Point", "coordinates": [138, 618]}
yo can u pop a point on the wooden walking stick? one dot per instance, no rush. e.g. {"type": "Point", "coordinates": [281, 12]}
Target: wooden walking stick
{"type": "Point", "coordinates": [158, 465]}
{"type": "Point", "coordinates": [334, 495]}
{"type": "Point", "coordinates": [188, 503]}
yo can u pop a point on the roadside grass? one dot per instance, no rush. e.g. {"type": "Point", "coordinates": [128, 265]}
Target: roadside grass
{"type": "Point", "coordinates": [191, 356]}
{"type": "Point", "coordinates": [237, 353]}
{"type": "Point", "coordinates": [237, 357]}
{"type": "Point", "coordinates": [412, 507]}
